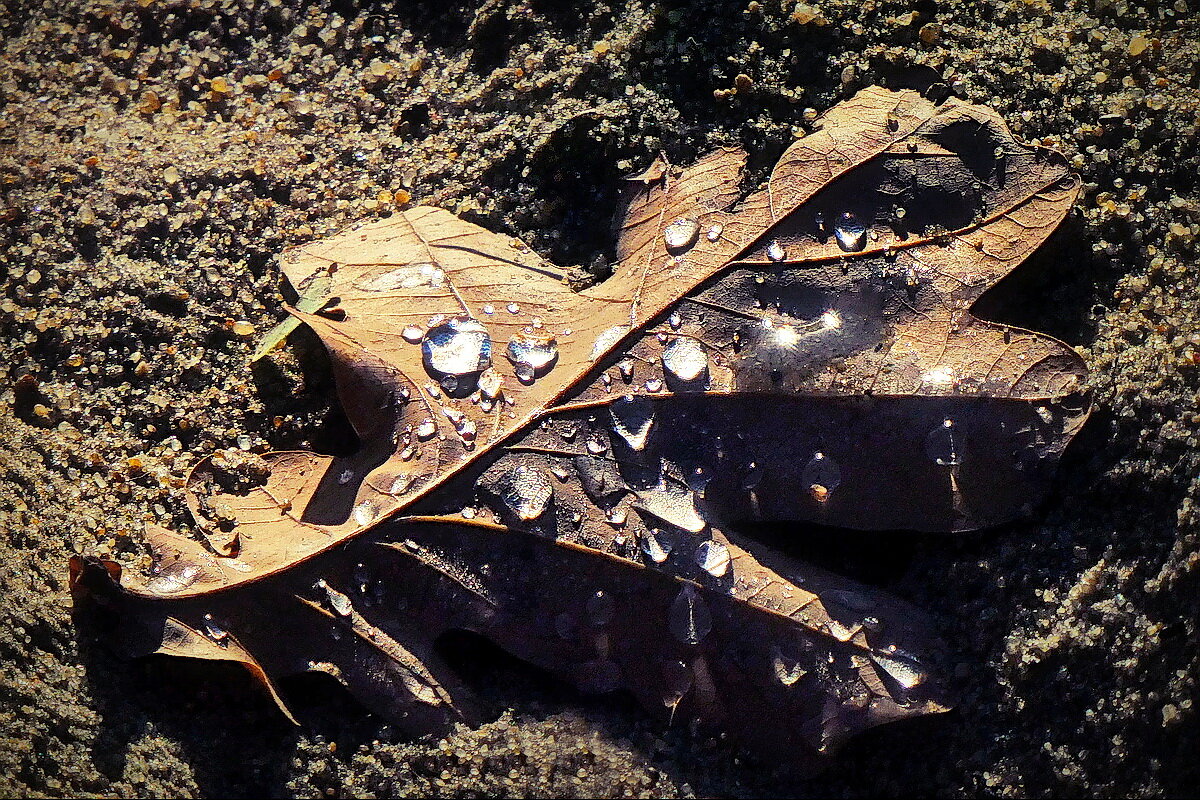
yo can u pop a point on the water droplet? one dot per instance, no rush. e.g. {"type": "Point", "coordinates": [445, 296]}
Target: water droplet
{"type": "Point", "coordinates": [426, 429]}
{"type": "Point", "coordinates": [654, 385]}
{"type": "Point", "coordinates": [536, 352]}
{"type": "Point", "coordinates": [657, 545]}
{"type": "Point", "coordinates": [178, 575]}
{"type": "Point", "coordinates": [525, 491]}
{"type": "Point", "coordinates": [524, 372]}
{"type": "Point", "coordinates": [775, 251]}
{"type": "Point", "coordinates": [214, 631]}
{"type": "Point", "coordinates": [850, 232]}
{"type": "Point", "coordinates": [409, 276]}
{"type": "Point", "coordinates": [677, 681]}
{"type": "Point", "coordinates": [673, 504]}
{"type": "Point", "coordinates": [491, 384]}
{"type": "Point", "coordinates": [674, 320]}
{"type": "Point", "coordinates": [401, 483]}
{"type": "Point", "coordinates": [596, 446]}
{"type": "Point", "coordinates": [560, 472]}
{"type": "Point", "coordinates": [345, 477]}
{"type": "Point", "coordinates": [787, 670]}
{"type": "Point", "coordinates": [905, 672]}
{"type": "Point", "coordinates": [489, 309]}
{"type": "Point", "coordinates": [599, 478]}
{"type": "Point", "coordinates": [449, 384]}
{"type": "Point", "coordinates": [468, 513]}
{"type": "Point", "coordinates": [616, 516]}
{"type": "Point", "coordinates": [413, 334]}
{"type": "Point", "coordinates": [689, 619]}
{"type": "Point", "coordinates": [941, 445]}
{"type": "Point", "coordinates": [685, 359]}
{"type": "Point", "coordinates": [365, 512]}
{"type": "Point", "coordinates": [626, 370]}
{"type": "Point", "coordinates": [821, 476]}
{"type": "Point", "coordinates": [600, 608]}
{"type": "Point", "coordinates": [339, 602]}
{"type": "Point", "coordinates": [513, 308]}
{"type": "Point", "coordinates": [831, 320]}
{"type": "Point", "coordinates": [632, 419]}
{"type": "Point", "coordinates": [607, 339]}
{"type": "Point", "coordinates": [713, 558]}
{"type": "Point", "coordinates": [599, 676]}
{"type": "Point", "coordinates": [681, 233]}
{"type": "Point", "coordinates": [458, 347]}
{"type": "Point", "coordinates": [714, 232]}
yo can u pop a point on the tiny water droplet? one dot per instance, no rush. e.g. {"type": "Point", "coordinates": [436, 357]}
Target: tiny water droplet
{"type": "Point", "coordinates": [713, 558]}
{"type": "Point", "coordinates": [524, 372]}
{"type": "Point", "coordinates": [681, 233]}
{"type": "Point", "coordinates": [850, 232]}
{"type": "Point", "coordinates": [412, 334]}
{"type": "Point", "coordinates": [513, 308]}
{"type": "Point", "coordinates": [449, 384]}
{"type": "Point", "coordinates": [489, 309]}
{"type": "Point", "coordinates": [775, 251]}
{"type": "Point", "coordinates": [596, 446]}
{"type": "Point", "coordinates": [654, 385]}
{"type": "Point", "coordinates": [426, 429]}
{"type": "Point", "coordinates": [689, 619]}
{"type": "Point", "coordinates": [401, 483]}
{"type": "Point", "coordinates": [407, 453]}
{"type": "Point", "coordinates": [626, 370]}
{"type": "Point", "coordinates": [685, 359]}
{"type": "Point", "coordinates": [674, 320]}
{"type": "Point", "coordinates": [714, 232]}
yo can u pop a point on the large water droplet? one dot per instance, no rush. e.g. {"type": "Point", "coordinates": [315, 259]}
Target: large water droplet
{"type": "Point", "coordinates": [685, 359]}
{"type": "Point", "coordinates": [409, 276]}
{"type": "Point", "coordinates": [657, 545]}
{"type": "Point", "coordinates": [905, 672]}
{"type": "Point", "coordinates": [821, 476]}
{"type": "Point", "coordinates": [632, 418]}
{"type": "Point", "coordinates": [173, 578]}
{"type": "Point", "coordinates": [941, 444]}
{"type": "Point", "coordinates": [689, 619]}
{"type": "Point", "coordinates": [458, 347]}
{"type": "Point", "coordinates": [525, 491]}
{"type": "Point", "coordinates": [673, 504]}
{"type": "Point", "coordinates": [850, 232]}
{"type": "Point", "coordinates": [681, 233]}
{"type": "Point", "coordinates": [536, 352]}
{"type": "Point", "coordinates": [607, 339]}
{"type": "Point", "coordinates": [713, 558]}
{"type": "Point", "coordinates": [600, 608]}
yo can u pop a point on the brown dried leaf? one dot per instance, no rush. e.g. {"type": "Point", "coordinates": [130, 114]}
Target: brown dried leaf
{"type": "Point", "coordinates": [801, 352]}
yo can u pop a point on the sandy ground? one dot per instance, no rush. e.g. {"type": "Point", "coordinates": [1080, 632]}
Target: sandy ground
{"type": "Point", "coordinates": [156, 155]}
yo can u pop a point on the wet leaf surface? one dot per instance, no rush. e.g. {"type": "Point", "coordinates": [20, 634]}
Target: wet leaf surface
{"type": "Point", "coordinates": [563, 472]}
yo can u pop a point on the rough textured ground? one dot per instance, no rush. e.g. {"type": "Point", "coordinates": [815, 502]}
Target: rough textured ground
{"type": "Point", "coordinates": [156, 155]}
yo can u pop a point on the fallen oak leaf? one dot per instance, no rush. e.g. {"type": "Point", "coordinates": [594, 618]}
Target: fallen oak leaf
{"type": "Point", "coordinates": [801, 352]}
